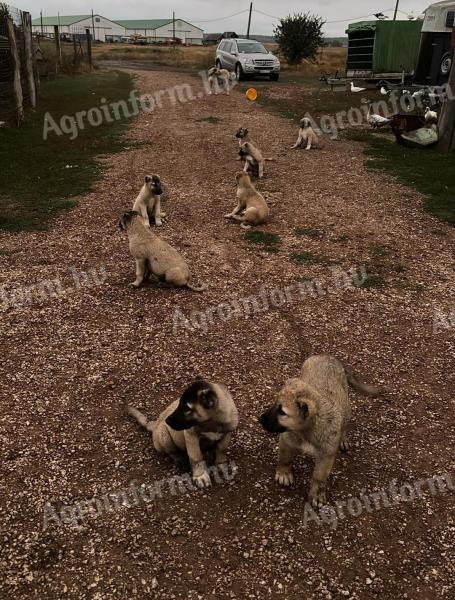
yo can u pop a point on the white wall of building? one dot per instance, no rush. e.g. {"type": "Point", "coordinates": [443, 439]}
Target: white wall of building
{"type": "Point", "coordinates": [189, 34]}
{"type": "Point", "coordinates": [103, 28]}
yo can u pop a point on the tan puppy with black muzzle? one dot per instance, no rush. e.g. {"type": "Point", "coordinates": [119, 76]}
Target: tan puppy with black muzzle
{"type": "Point", "coordinates": [154, 256]}
{"type": "Point", "coordinates": [312, 415]}
{"type": "Point", "coordinates": [220, 78]}
{"type": "Point", "coordinates": [306, 136]}
{"type": "Point", "coordinates": [251, 209]}
{"type": "Point", "coordinates": [148, 202]}
{"type": "Point", "coordinates": [204, 418]}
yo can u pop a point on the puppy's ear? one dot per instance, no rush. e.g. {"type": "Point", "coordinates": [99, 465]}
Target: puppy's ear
{"type": "Point", "coordinates": [148, 179]}
{"type": "Point", "coordinates": [206, 398]}
{"type": "Point", "coordinates": [245, 131]}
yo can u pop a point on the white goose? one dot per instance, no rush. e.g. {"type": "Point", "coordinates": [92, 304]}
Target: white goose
{"type": "Point", "coordinates": [431, 116]}
{"type": "Point", "coordinates": [377, 121]}
{"type": "Point", "coordinates": [356, 90]}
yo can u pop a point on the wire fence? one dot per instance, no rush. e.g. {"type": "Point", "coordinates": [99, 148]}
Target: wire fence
{"type": "Point", "coordinates": [17, 83]}
{"type": "Point", "coordinates": [26, 57]}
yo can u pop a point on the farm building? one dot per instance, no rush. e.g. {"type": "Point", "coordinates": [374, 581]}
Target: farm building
{"type": "Point", "coordinates": [162, 30]}
{"type": "Point", "coordinates": [104, 29]}
{"type": "Point", "coordinates": [436, 48]}
{"type": "Point", "coordinates": [383, 49]}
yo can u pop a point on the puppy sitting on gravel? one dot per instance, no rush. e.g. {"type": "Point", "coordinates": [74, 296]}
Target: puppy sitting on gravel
{"type": "Point", "coordinates": [154, 256]}
{"type": "Point", "coordinates": [306, 135]}
{"type": "Point", "coordinates": [251, 209]}
{"type": "Point", "coordinates": [311, 415]}
{"type": "Point", "coordinates": [148, 202]}
{"type": "Point", "coordinates": [203, 418]}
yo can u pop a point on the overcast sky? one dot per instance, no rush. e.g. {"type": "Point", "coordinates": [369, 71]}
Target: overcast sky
{"type": "Point", "coordinates": [209, 14]}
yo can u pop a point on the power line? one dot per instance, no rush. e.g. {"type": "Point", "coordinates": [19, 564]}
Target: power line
{"type": "Point", "coordinates": [352, 19]}
{"type": "Point", "coordinates": [222, 18]}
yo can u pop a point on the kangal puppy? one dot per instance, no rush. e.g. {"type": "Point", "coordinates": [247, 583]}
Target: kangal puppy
{"type": "Point", "coordinates": [251, 209]}
{"type": "Point", "coordinates": [148, 202]}
{"type": "Point", "coordinates": [154, 256]}
{"type": "Point", "coordinates": [306, 135]}
{"type": "Point", "coordinates": [220, 78]}
{"type": "Point", "coordinates": [250, 153]}
{"type": "Point", "coordinates": [311, 415]}
{"type": "Point", "coordinates": [203, 418]}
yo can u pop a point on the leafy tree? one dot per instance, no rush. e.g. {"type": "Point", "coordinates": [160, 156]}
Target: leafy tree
{"type": "Point", "coordinates": [299, 36]}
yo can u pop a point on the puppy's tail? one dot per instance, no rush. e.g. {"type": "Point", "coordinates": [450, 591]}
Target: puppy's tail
{"type": "Point", "coordinates": [140, 418]}
{"type": "Point", "coordinates": [196, 288]}
{"type": "Point", "coordinates": [364, 388]}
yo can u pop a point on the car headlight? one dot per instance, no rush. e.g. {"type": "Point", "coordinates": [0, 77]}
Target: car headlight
{"type": "Point", "coordinates": [249, 61]}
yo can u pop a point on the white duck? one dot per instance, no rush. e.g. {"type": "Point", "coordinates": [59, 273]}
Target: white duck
{"type": "Point", "coordinates": [377, 121]}
{"type": "Point", "coordinates": [356, 90]}
{"type": "Point", "coordinates": [431, 116]}
{"type": "Point", "coordinates": [384, 92]}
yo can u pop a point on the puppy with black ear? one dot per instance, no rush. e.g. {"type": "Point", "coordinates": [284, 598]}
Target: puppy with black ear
{"type": "Point", "coordinates": [306, 135]}
{"type": "Point", "coordinates": [312, 415]}
{"type": "Point", "coordinates": [203, 418]}
{"type": "Point", "coordinates": [148, 202]}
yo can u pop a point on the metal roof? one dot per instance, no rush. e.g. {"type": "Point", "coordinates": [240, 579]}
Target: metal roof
{"type": "Point", "coordinates": [62, 20]}
{"type": "Point", "coordinates": [144, 23]}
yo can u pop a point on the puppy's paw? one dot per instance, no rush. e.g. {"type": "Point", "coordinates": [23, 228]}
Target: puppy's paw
{"type": "Point", "coordinates": [318, 500]}
{"type": "Point", "coordinates": [134, 285]}
{"type": "Point", "coordinates": [344, 445]}
{"type": "Point", "coordinates": [229, 216]}
{"type": "Point", "coordinates": [284, 476]}
{"type": "Point", "coordinates": [200, 476]}
{"type": "Point", "coordinates": [158, 223]}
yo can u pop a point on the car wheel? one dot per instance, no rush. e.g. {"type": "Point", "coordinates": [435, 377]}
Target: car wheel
{"type": "Point", "coordinates": [446, 64]}
{"type": "Point", "coordinates": [274, 76]}
{"type": "Point", "coordinates": [239, 72]}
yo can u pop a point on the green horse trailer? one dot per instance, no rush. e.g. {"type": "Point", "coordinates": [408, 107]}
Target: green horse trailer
{"type": "Point", "coordinates": [383, 49]}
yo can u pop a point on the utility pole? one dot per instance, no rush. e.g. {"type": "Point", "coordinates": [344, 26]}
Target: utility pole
{"type": "Point", "coordinates": [396, 10]}
{"type": "Point", "coordinates": [93, 26]}
{"type": "Point", "coordinates": [447, 118]}
{"type": "Point", "coordinates": [173, 27]}
{"type": "Point", "coordinates": [42, 28]}
{"type": "Point", "coordinates": [249, 22]}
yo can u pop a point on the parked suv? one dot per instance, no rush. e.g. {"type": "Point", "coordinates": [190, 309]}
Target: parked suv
{"type": "Point", "coordinates": [247, 58]}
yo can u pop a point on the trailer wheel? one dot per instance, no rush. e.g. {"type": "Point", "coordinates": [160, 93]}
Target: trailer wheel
{"type": "Point", "coordinates": [446, 64]}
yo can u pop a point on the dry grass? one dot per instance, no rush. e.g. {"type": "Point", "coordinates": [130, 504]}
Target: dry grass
{"type": "Point", "coordinates": [328, 61]}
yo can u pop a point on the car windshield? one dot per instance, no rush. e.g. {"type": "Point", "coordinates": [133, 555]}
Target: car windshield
{"type": "Point", "coordinates": [251, 48]}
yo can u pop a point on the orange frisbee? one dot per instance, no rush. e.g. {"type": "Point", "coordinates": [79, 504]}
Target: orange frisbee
{"type": "Point", "coordinates": [251, 94]}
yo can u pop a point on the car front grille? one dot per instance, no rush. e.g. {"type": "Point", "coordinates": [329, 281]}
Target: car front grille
{"type": "Point", "coordinates": [263, 63]}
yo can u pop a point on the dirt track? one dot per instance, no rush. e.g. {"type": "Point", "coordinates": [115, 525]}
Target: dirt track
{"type": "Point", "coordinates": [70, 362]}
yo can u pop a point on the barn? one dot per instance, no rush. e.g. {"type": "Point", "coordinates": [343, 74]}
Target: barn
{"type": "Point", "coordinates": [102, 29]}
{"type": "Point", "coordinates": [162, 30]}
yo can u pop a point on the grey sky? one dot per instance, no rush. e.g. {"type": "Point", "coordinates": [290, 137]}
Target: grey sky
{"type": "Point", "coordinates": [201, 11]}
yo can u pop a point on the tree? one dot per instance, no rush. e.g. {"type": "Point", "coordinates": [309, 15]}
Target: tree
{"type": "Point", "coordinates": [299, 36]}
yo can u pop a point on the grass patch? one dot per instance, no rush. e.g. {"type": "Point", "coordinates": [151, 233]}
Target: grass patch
{"type": "Point", "coordinates": [40, 177]}
{"type": "Point", "coordinates": [372, 281]}
{"type": "Point", "coordinates": [269, 241]}
{"type": "Point", "coordinates": [415, 168]}
{"type": "Point", "coordinates": [312, 233]}
{"type": "Point", "coordinates": [301, 258]}
{"type": "Point", "coordinates": [212, 120]}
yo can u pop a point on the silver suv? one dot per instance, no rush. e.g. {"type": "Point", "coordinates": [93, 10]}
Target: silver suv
{"type": "Point", "coordinates": [247, 58]}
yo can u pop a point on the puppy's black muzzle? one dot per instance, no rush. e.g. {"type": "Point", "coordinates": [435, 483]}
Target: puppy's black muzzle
{"type": "Point", "coordinates": [178, 422]}
{"type": "Point", "coordinates": [269, 421]}
{"type": "Point", "coordinates": [158, 190]}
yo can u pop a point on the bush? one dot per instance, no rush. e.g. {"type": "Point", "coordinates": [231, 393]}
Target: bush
{"type": "Point", "coordinates": [299, 37]}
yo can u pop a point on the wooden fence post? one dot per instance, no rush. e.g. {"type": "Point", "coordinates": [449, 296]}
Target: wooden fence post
{"type": "Point", "coordinates": [29, 57]}
{"type": "Point", "coordinates": [447, 120]}
{"type": "Point", "coordinates": [89, 48]}
{"type": "Point", "coordinates": [17, 72]}
{"type": "Point", "coordinates": [58, 48]}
